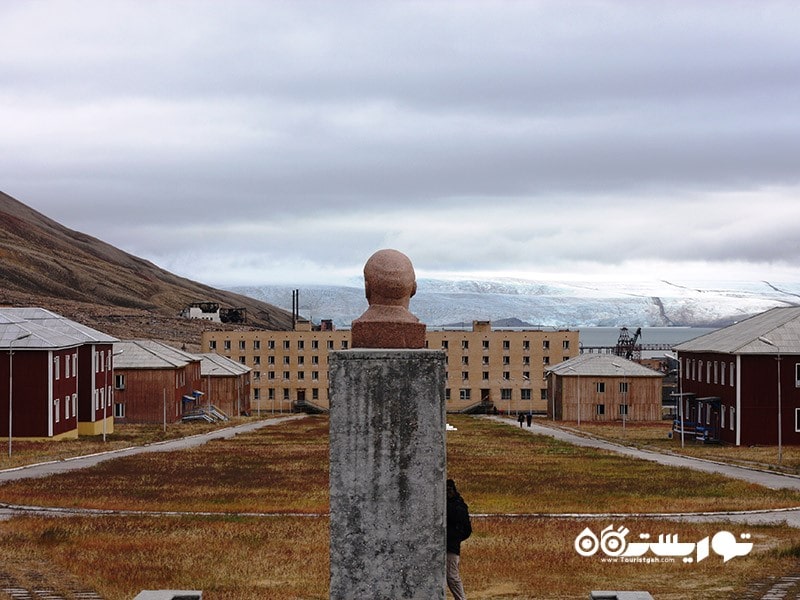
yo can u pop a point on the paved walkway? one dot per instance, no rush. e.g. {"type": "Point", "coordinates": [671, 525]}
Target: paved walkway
{"type": "Point", "coordinates": [765, 478]}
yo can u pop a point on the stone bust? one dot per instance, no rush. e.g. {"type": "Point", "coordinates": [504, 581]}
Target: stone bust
{"type": "Point", "coordinates": [389, 284]}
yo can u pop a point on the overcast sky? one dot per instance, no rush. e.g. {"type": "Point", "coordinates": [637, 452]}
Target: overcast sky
{"type": "Point", "coordinates": [285, 142]}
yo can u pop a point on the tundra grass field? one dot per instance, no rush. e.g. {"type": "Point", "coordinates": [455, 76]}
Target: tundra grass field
{"type": "Point", "coordinates": [282, 471]}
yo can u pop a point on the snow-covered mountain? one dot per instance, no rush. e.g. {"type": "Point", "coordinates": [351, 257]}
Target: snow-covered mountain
{"type": "Point", "coordinates": [550, 304]}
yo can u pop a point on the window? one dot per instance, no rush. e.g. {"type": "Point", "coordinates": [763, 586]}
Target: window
{"type": "Point", "coordinates": [526, 345]}
{"type": "Point", "coordinates": [623, 387]}
{"type": "Point", "coordinates": [226, 345]}
{"type": "Point", "coordinates": [505, 394]}
{"type": "Point", "coordinates": [797, 419]}
{"type": "Point", "coordinates": [525, 394]}
{"type": "Point", "coordinates": [465, 360]}
{"type": "Point", "coordinates": [242, 346]}
{"type": "Point", "coordinates": [286, 393]}
{"type": "Point", "coordinates": [256, 375]}
{"type": "Point", "coordinates": [256, 360]}
{"type": "Point", "coordinates": [722, 413]}
{"type": "Point", "coordinates": [344, 344]}
{"type": "Point", "coordinates": [243, 360]}
{"type": "Point", "coordinates": [315, 360]}
{"type": "Point", "coordinates": [506, 345]}
{"type": "Point", "coordinates": [270, 374]}
{"type": "Point", "coordinates": [270, 344]}
{"type": "Point", "coordinates": [526, 375]}
{"type": "Point", "coordinates": [600, 409]}
{"type": "Point", "coordinates": [732, 425]}
{"type": "Point", "coordinates": [700, 371]}
{"type": "Point", "coordinates": [733, 374]}
{"type": "Point", "coordinates": [485, 360]}
{"type": "Point", "coordinates": [526, 360]}
{"type": "Point", "coordinates": [286, 344]}
{"type": "Point", "coordinates": [464, 375]}
{"type": "Point", "coordinates": [66, 407]}
{"type": "Point", "coordinates": [315, 393]}
{"type": "Point", "coordinates": [506, 360]}
{"type": "Point", "coordinates": [623, 410]}
{"type": "Point", "coordinates": [506, 375]}
{"type": "Point", "coordinates": [256, 344]}
{"type": "Point", "coordinates": [565, 345]}
{"type": "Point", "coordinates": [315, 344]}
{"type": "Point", "coordinates": [301, 344]}
{"type": "Point", "coordinates": [286, 360]}
{"type": "Point", "coordinates": [464, 344]}
{"type": "Point", "coordinates": [545, 360]}
{"type": "Point", "coordinates": [56, 367]}
{"type": "Point", "coordinates": [543, 394]}
{"type": "Point", "coordinates": [485, 344]}
{"type": "Point", "coordinates": [119, 410]}
{"type": "Point", "coordinates": [119, 381]}
{"type": "Point", "coordinates": [315, 375]}
{"type": "Point", "coordinates": [716, 371]}
{"type": "Point", "coordinates": [74, 405]}
{"type": "Point", "coordinates": [270, 393]}
{"type": "Point", "coordinates": [57, 409]}
{"type": "Point", "coordinates": [447, 394]}
{"type": "Point", "coordinates": [464, 394]}
{"type": "Point", "coordinates": [301, 360]}
{"type": "Point", "coordinates": [722, 373]}
{"type": "Point", "coordinates": [270, 360]}
{"type": "Point", "coordinates": [286, 375]}
{"type": "Point", "coordinates": [797, 375]}
{"type": "Point", "coordinates": [66, 367]}
{"type": "Point", "coordinates": [445, 344]}
{"type": "Point", "coordinates": [546, 345]}
{"type": "Point", "coordinates": [301, 375]}
{"type": "Point", "coordinates": [212, 344]}
{"type": "Point", "coordinates": [600, 387]}
{"type": "Point", "coordinates": [485, 375]}
{"type": "Point", "coordinates": [257, 394]}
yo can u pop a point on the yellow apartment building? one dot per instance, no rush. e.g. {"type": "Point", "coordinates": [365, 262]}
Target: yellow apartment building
{"type": "Point", "coordinates": [500, 369]}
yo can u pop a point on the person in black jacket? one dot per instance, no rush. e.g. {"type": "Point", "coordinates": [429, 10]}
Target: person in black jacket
{"type": "Point", "coordinates": [459, 528]}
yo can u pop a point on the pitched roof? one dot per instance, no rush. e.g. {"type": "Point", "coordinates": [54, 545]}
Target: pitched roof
{"type": "Point", "coordinates": [216, 365]}
{"type": "Point", "coordinates": [601, 365]}
{"type": "Point", "coordinates": [781, 326]}
{"type": "Point", "coordinates": [149, 354]}
{"type": "Point", "coordinates": [44, 330]}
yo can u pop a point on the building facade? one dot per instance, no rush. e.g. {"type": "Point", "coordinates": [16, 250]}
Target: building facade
{"type": "Point", "coordinates": [486, 369]}
{"type": "Point", "coordinates": [154, 382]}
{"type": "Point", "coordinates": [60, 374]}
{"type": "Point", "coordinates": [226, 383]}
{"type": "Point", "coordinates": [603, 387]}
{"type": "Point", "coordinates": [738, 383]}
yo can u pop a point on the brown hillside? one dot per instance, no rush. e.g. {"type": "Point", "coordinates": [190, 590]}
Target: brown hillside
{"type": "Point", "coordinates": [43, 263]}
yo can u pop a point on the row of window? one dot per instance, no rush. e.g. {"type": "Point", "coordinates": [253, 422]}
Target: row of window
{"type": "Point", "coordinates": [287, 345]}
{"type": "Point", "coordinates": [70, 404]}
{"type": "Point", "coordinates": [600, 410]}
{"type": "Point", "coordinates": [329, 345]}
{"type": "Point", "coordinates": [600, 387]}
{"type": "Point", "coordinates": [463, 394]}
{"type": "Point", "coordinates": [101, 363]}
{"type": "Point", "coordinates": [715, 372]}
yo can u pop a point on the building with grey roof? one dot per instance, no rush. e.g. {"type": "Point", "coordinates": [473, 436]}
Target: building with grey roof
{"type": "Point", "coordinates": [226, 383]}
{"type": "Point", "coordinates": [154, 382]}
{"type": "Point", "coordinates": [603, 387]}
{"type": "Point", "coordinates": [741, 384]}
{"type": "Point", "coordinates": [59, 373]}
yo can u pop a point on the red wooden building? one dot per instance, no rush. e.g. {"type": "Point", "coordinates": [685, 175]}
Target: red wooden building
{"type": "Point", "coordinates": [226, 383]}
{"type": "Point", "coordinates": [735, 382]}
{"type": "Point", "coordinates": [58, 374]}
{"type": "Point", "coordinates": [154, 382]}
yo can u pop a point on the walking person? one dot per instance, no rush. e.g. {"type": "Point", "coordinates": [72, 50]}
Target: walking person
{"type": "Point", "coordinates": [459, 528]}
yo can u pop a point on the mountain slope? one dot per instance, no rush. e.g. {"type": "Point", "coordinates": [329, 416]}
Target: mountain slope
{"type": "Point", "coordinates": [46, 264]}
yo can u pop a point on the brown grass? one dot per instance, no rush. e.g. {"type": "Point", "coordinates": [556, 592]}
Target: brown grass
{"type": "Point", "coordinates": [287, 558]}
{"type": "Point", "coordinates": [284, 469]}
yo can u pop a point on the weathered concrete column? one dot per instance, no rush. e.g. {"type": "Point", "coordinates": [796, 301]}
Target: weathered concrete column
{"type": "Point", "coordinates": [387, 474]}
{"type": "Point", "coordinates": [387, 448]}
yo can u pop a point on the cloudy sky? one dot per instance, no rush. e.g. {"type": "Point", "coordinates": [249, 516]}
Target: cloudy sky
{"type": "Point", "coordinates": [262, 142]}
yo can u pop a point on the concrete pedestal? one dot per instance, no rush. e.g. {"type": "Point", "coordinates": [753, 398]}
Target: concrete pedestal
{"type": "Point", "coordinates": [387, 474]}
